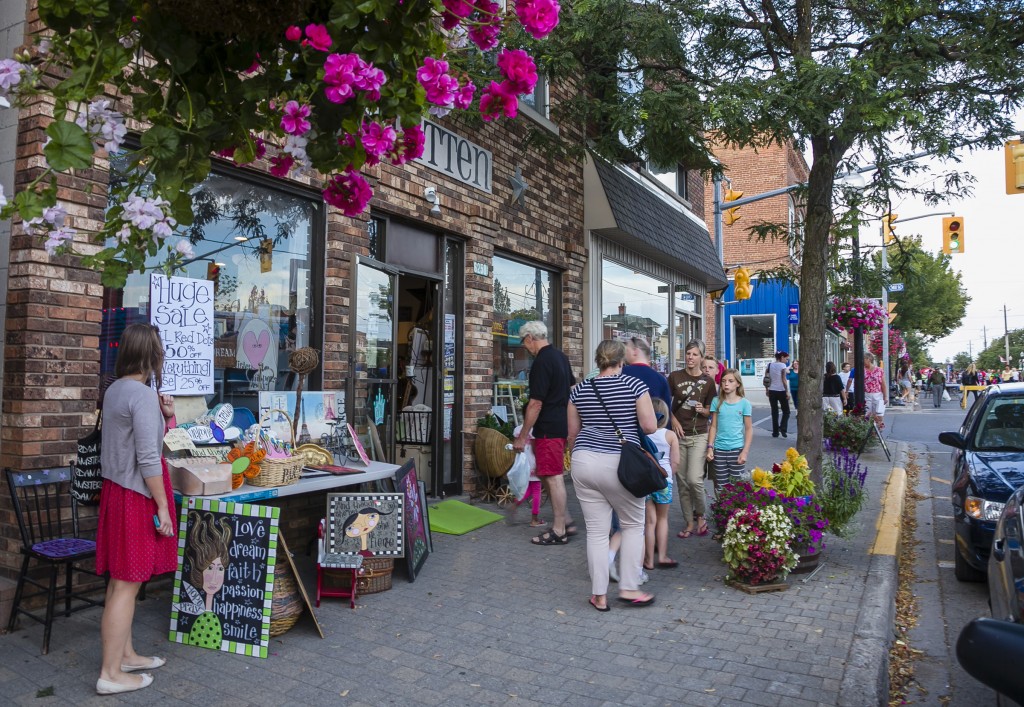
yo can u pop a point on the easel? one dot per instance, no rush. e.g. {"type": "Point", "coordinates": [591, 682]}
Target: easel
{"type": "Point", "coordinates": [877, 433]}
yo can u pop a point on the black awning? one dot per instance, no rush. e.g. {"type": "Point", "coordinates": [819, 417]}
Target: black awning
{"type": "Point", "coordinates": [646, 223]}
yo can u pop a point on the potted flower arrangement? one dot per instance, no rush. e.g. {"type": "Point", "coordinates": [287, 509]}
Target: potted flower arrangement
{"type": "Point", "coordinates": [846, 431]}
{"type": "Point", "coordinates": [757, 546]}
{"type": "Point", "coordinates": [857, 312]}
{"type": "Point", "coordinates": [842, 489]}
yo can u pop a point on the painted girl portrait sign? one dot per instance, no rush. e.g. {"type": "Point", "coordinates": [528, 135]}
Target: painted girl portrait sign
{"type": "Point", "coordinates": [370, 525]}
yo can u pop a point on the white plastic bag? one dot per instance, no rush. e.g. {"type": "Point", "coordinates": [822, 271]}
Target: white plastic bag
{"type": "Point", "coordinates": [945, 396]}
{"type": "Point", "coordinates": [519, 476]}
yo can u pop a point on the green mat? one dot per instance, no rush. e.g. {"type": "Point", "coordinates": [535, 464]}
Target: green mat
{"type": "Point", "coordinates": [458, 518]}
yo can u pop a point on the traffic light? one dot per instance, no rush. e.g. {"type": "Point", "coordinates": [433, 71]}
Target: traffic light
{"type": "Point", "coordinates": [213, 274]}
{"type": "Point", "coordinates": [887, 231]}
{"type": "Point", "coordinates": [1013, 152]}
{"type": "Point", "coordinates": [953, 235]}
{"type": "Point", "coordinates": [731, 216]}
{"type": "Point", "coordinates": [741, 284]}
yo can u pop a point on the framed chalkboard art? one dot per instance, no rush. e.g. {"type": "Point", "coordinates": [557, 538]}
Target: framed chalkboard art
{"type": "Point", "coordinates": [367, 524]}
{"type": "Point", "coordinates": [224, 584]}
{"type": "Point", "coordinates": [416, 543]}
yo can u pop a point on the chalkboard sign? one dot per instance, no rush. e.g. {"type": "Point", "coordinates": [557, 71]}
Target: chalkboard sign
{"type": "Point", "coordinates": [182, 308]}
{"type": "Point", "coordinates": [416, 547]}
{"type": "Point", "coordinates": [225, 579]}
{"type": "Point", "coordinates": [367, 524]}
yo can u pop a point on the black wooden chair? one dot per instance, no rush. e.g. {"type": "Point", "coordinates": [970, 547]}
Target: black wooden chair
{"type": "Point", "coordinates": [48, 521]}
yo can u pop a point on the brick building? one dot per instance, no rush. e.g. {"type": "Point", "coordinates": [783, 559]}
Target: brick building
{"type": "Point", "coordinates": [756, 328]}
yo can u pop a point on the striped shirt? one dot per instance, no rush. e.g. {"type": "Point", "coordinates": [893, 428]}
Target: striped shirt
{"type": "Point", "coordinates": [620, 394]}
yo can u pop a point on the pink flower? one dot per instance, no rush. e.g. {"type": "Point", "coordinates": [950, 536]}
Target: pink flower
{"type": "Point", "coordinates": [294, 120]}
{"type": "Point", "coordinates": [281, 164]}
{"type": "Point", "coordinates": [349, 192]}
{"type": "Point", "coordinates": [464, 97]}
{"type": "Point", "coordinates": [484, 33]}
{"type": "Point", "coordinates": [497, 100]}
{"type": "Point", "coordinates": [369, 79]}
{"type": "Point", "coordinates": [410, 145]}
{"type": "Point", "coordinates": [538, 17]}
{"type": "Point", "coordinates": [377, 139]}
{"type": "Point", "coordinates": [518, 68]}
{"type": "Point", "coordinates": [317, 37]}
{"type": "Point", "coordinates": [293, 34]}
{"type": "Point", "coordinates": [340, 75]}
{"type": "Point", "coordinates": [434, 78]}
{"type": "Point", "coordinates": [254, 67]}
{"type": "Point", "coordinates": [449, 21]}
{"type": "Point", "coordinates": [460, 8]}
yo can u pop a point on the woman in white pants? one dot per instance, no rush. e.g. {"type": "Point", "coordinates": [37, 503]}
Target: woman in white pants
{"type": "Point", "coordinates": [833, 390]}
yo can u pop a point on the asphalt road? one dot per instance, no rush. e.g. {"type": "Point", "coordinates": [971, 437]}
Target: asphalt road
{"type": "Point", "coordinates": [945, 605]}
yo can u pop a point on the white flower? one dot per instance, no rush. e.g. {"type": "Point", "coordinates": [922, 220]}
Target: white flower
{"type": "Point", "coordinates": [44, 46]}
{"type": "Point", "coordinates": [184, 248]}
{"type": "Point", "coordinates": [124, 234]}
{"type": "Point", "coordinates": [55, 215]}
{"type": "Point", "coordinates": [104, 125]}
{"type": "Point", "coordinates": [57, 238]}
{"type": "Point", "coordinates": [10, 74]}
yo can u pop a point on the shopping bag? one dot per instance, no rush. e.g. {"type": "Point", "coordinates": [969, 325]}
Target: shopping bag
{"type": "Point", "coordinates": [87, 477]}
{"type": "Point", "coordinates": [519, 476]}
{"type": "Point", "coordinates": [945, 396]}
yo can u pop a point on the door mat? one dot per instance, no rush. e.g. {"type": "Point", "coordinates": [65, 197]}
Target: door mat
{"type": "Point", "coordinates": [457, 518]}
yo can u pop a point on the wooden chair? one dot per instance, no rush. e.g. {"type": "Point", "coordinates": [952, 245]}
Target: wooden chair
{"type": "Point", "coordinates": [48, 521]}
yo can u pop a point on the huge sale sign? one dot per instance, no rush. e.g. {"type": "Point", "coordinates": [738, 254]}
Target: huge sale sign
{"type": "Point", "coordinates": [182, 308]}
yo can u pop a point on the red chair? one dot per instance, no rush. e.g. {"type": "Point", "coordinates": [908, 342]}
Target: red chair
{"type": "Point", "coordinates": [48, 521]}
{"type": "Point", "coordinates": [337, 564]}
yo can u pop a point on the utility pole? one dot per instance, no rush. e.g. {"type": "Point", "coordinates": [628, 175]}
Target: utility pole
{"type": "Point", "coordinates": [984, 337]}
{"type": "Point", "coordinates": [1006, 328]}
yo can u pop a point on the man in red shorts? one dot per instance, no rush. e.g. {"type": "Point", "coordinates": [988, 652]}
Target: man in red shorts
{"type": "Point", "coordinates": [548, 417]}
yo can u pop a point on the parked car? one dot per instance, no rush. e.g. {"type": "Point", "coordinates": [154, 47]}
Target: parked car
{"type": "Point", "coordinates": [988, 466]}
{"type": "Point", "coordinates": [1006, 563]}
{"type": "Point", "coordinates": [991, 651]}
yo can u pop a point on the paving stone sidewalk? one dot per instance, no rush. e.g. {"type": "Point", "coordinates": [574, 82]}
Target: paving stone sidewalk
{"type": "Point", "coordinates": [493, 620]}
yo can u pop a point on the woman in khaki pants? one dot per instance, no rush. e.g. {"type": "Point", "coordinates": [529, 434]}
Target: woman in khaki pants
{"type": "Point", "coordinates": [692, 393]}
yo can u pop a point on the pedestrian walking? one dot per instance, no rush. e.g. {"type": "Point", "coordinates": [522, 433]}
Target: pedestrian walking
{"type": "Point", "coordinates": [659, 502]}
{"type": "Point", "coordinates": [970, 377]}
{"type": "Point", "coordinates": [937, 380]}
{"type": "Point", "coordinates": [638, 365]}
{"type": "Point", "coordinates": [777, 389]}
{"type": "Point", "coordinates": [600, 409]}
{"type": "Point", "coordinates": [833, 390]}
{"type": "Point", "coordinates": [793, 377]}
{"type": "Point", "coordinates": [875, 394]}
{"type": "Point", "coordinates": [546, 417]}
{"type": "Point", "coordinates": [905, 378]}
{"type": "Point", "coordinates": [136, 532]}
{"type": "Point", "coordinates": [692, 393]}
{"type": "Point", "coordinates": [732, 430]}
{"type": "Point", "coordinates": [712, 368]}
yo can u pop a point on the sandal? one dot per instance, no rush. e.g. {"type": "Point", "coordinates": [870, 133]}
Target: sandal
{"type": "Point", "coordinates": [571, 529]}
{"type": "Point", "coordinates": [600, 608]}
{"type": "Point", "coordinates": [638, 601]}
{"type": "Point", "coordinates": [538, 523]}
{"type": "Point", "coordinates": [550, 538]}
{"type": "Point", "coordinates": [684, 534]}
{"type": "Point", "coordinates": [702, 529]}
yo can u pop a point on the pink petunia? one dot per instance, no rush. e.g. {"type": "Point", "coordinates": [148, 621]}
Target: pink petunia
{"type": "Point", "coordinates": [377, 139]}
{"type": "Point", "coordinates": [460, 8]}
{"type": "Point", "coordinates": [349, 192]}
{"type": "Point", "coordinates": [294, 122]}
{"type": "Point", "coordinates": [464, 96]}
{"type": "Point", "coordinates": [538, 17]}
{"type": "Point", "coordinates": [484, 32]}
{"type": "Point", "coordinates": [318, 37]}
{"type": "Point", "coordinates": [293, 34]}
{"type": "Point", "coordinates": [497, 100]}
{"type": "Point", "coordinates": [281, 164]}
{"type": "Point", "coordinates": [409, 145]}
{"type": "Point", "coordinates": [518, 69]}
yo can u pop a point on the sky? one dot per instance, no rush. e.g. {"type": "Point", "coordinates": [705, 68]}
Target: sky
{"type": "Point", "coordinates": [991, 265]}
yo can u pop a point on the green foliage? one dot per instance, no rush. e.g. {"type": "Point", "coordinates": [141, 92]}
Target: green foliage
{"type": "Point", "coordinates": [492, 422]}
{"type": "Point", "coordinates": [962, 360]}
{"type": "Point", "coordinates": [842, 492]}
{"type": "Point", "coordinates": [989, 358]}
{"type": "Point", "coordinates": [845, 431]}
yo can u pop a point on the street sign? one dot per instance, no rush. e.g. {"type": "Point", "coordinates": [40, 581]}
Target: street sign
{"type": "Point", "coordinates": [794, 313]}
{"type": "Point", "coordinates": [896, 287]}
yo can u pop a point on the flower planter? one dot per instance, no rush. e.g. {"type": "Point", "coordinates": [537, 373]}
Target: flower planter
{"type": "Point", "coordinates": [808, 561]}
{"type": "Point", "coordinates": [775, 585]}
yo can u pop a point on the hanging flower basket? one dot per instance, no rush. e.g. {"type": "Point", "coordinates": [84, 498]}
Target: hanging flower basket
{"type": "Point", "coordinates": [856, 312]}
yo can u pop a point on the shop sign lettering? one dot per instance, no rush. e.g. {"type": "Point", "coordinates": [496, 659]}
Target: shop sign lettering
{"type": "Point", "coordinates": [456, 156]}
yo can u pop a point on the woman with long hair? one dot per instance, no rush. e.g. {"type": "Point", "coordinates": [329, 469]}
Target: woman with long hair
{"type": "Point", "coordinates": [135, 538]}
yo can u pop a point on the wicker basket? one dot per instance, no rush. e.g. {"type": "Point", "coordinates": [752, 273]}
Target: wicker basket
{"type": "Point", "coordinates": [375, 576]}
{"type": "Point", "coordinates": [286, 605]}
{"type": "Point", "coordinates": [491, 456]}
{"type": "Point", "coordinates": [282, 471]}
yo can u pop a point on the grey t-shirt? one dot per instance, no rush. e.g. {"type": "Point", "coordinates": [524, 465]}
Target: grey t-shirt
{"type": "Point", "coordinates": [133, 433]}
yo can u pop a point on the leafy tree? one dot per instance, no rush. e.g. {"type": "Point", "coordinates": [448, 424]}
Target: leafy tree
{"type": "Point", "coordinates": [989, 358]}
{"type": "Point", "coordinates": [502, 302]}
{"type": "Point", "coordinates": [933, 301]}
{"type": "Point", "coordinates": [845, 80]}
{"type": "Point", "coordinates": [962, 360]}
{"type": "Point", "coordinates": [917, 349]}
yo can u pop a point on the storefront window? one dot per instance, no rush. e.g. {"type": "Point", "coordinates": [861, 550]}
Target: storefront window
{"type": "Point", "coordinates": [522, 293]}
{"type": "Point", "coordinates": [634, 304]}
{"type": "Point", "coordinates": [754, 336]}
{"type": "Point", "coordinates": [255, 242]}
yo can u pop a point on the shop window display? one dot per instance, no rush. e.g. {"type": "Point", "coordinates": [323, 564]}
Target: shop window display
{"type": "Point", "coordinates": [522, 293]}
{"type": "Point", "coordinates": [255, 243]}
{"type": "Point", "coordinates": [635, 305]}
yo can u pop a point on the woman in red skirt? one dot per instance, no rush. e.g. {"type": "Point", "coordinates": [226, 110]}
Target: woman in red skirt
{"type": "Point", "coordinates": [136, 535]}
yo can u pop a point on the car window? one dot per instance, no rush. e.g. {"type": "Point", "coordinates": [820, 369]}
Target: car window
{"type": "Point", "coordinates": [1001, 424]}
{"type": "Point", "coordinates": [972, 414]}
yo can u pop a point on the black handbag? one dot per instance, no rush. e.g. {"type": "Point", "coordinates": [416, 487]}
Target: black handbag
{"type": "Point", "coordinates": [87, 476]}
{"type": "Point", "coordinates": [639, 472]}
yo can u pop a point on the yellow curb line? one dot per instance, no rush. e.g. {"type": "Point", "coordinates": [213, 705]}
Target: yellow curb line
{"type": "Point", "coordinates": [887, 529]}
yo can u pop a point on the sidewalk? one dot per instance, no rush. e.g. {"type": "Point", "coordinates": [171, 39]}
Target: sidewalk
{"type": "Point", "coordinates": [494, 620]}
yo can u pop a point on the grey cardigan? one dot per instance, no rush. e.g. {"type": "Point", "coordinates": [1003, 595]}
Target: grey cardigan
{"type": "Point", "coordinates": [133, 433]}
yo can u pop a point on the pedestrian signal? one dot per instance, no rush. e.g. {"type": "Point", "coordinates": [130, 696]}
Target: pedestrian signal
{"type": "Point", "coordinates": [953, 235]}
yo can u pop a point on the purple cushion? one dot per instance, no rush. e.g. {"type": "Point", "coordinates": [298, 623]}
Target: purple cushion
{"type": "Point", "coordinates": [64, 547]}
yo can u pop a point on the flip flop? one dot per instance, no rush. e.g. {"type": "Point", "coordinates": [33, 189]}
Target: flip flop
{"type": "Point", "coordinates": [594, 604]}
{"type": "Point", "coordinates": [667, 565]}
{"type": "Point", "coordinates": [638, 601]}
{"type": "Point", "coordinates": [571, 529]}
{"type": "Point", "coordinates": [702, 529]}
{"type": "Point", "coordinates": [550, 538]}
{"type": "Point", "coordinates": [684, 534]}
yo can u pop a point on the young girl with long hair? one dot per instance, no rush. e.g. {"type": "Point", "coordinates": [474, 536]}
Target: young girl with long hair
{"type": "Point", "coordinates": [732, 429]}
{"type": "Point", "coordinates": [659, 502]}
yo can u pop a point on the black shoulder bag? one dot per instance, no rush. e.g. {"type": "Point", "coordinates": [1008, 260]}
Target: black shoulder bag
{"type": "Point", "coordinates": [639, 472]}
{"type": "Point", "coordinates": [87, 477]}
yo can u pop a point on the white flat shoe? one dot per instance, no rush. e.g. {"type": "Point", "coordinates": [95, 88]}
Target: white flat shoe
{"type": "Point", "coordinates": [106, 687]}
{"type": "Point", "coordinates": [154, 663]}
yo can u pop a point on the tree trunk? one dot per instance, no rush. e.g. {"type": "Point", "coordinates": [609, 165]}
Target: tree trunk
{"type": "Point", "coordinates": [813, 286]}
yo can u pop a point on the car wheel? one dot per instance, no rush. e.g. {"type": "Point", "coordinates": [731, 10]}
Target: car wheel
{"type": "Point", "coordinates": [963, 571]}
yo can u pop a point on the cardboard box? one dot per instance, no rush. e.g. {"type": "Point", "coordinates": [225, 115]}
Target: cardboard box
{"type": "Point", "coordinates": [199, 477]}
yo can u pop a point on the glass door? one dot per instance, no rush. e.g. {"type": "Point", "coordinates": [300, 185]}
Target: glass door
{"type": "Point", "coordinates": [374, 377]}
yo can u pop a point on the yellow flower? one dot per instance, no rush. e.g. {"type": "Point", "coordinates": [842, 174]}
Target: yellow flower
{"type": "Point", "coordinates": [785, 468]}
{"type": "Point", "coordinates": [761, 478]}
{"type": "Point", "coordinates": [792, 454]}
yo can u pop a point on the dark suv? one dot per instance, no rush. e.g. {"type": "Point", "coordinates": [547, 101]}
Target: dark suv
{"type": "Point", "coordinates": [988, 466]}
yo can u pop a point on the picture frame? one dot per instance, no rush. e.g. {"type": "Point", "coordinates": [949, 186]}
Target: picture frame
{"type": "Point", "coordinates": [426, 516]}
{"type": "Point", "coordinates": [367, 524]}
{"type": "Point", "coordinates": [416, 543]}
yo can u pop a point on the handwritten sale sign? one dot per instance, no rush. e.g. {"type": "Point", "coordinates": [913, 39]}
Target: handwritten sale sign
{"type": "Point", "coordinates": [182, 308]}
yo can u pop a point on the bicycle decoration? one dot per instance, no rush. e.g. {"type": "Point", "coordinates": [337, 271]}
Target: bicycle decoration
{"type": "Point", "coordinates": [857, 312]}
